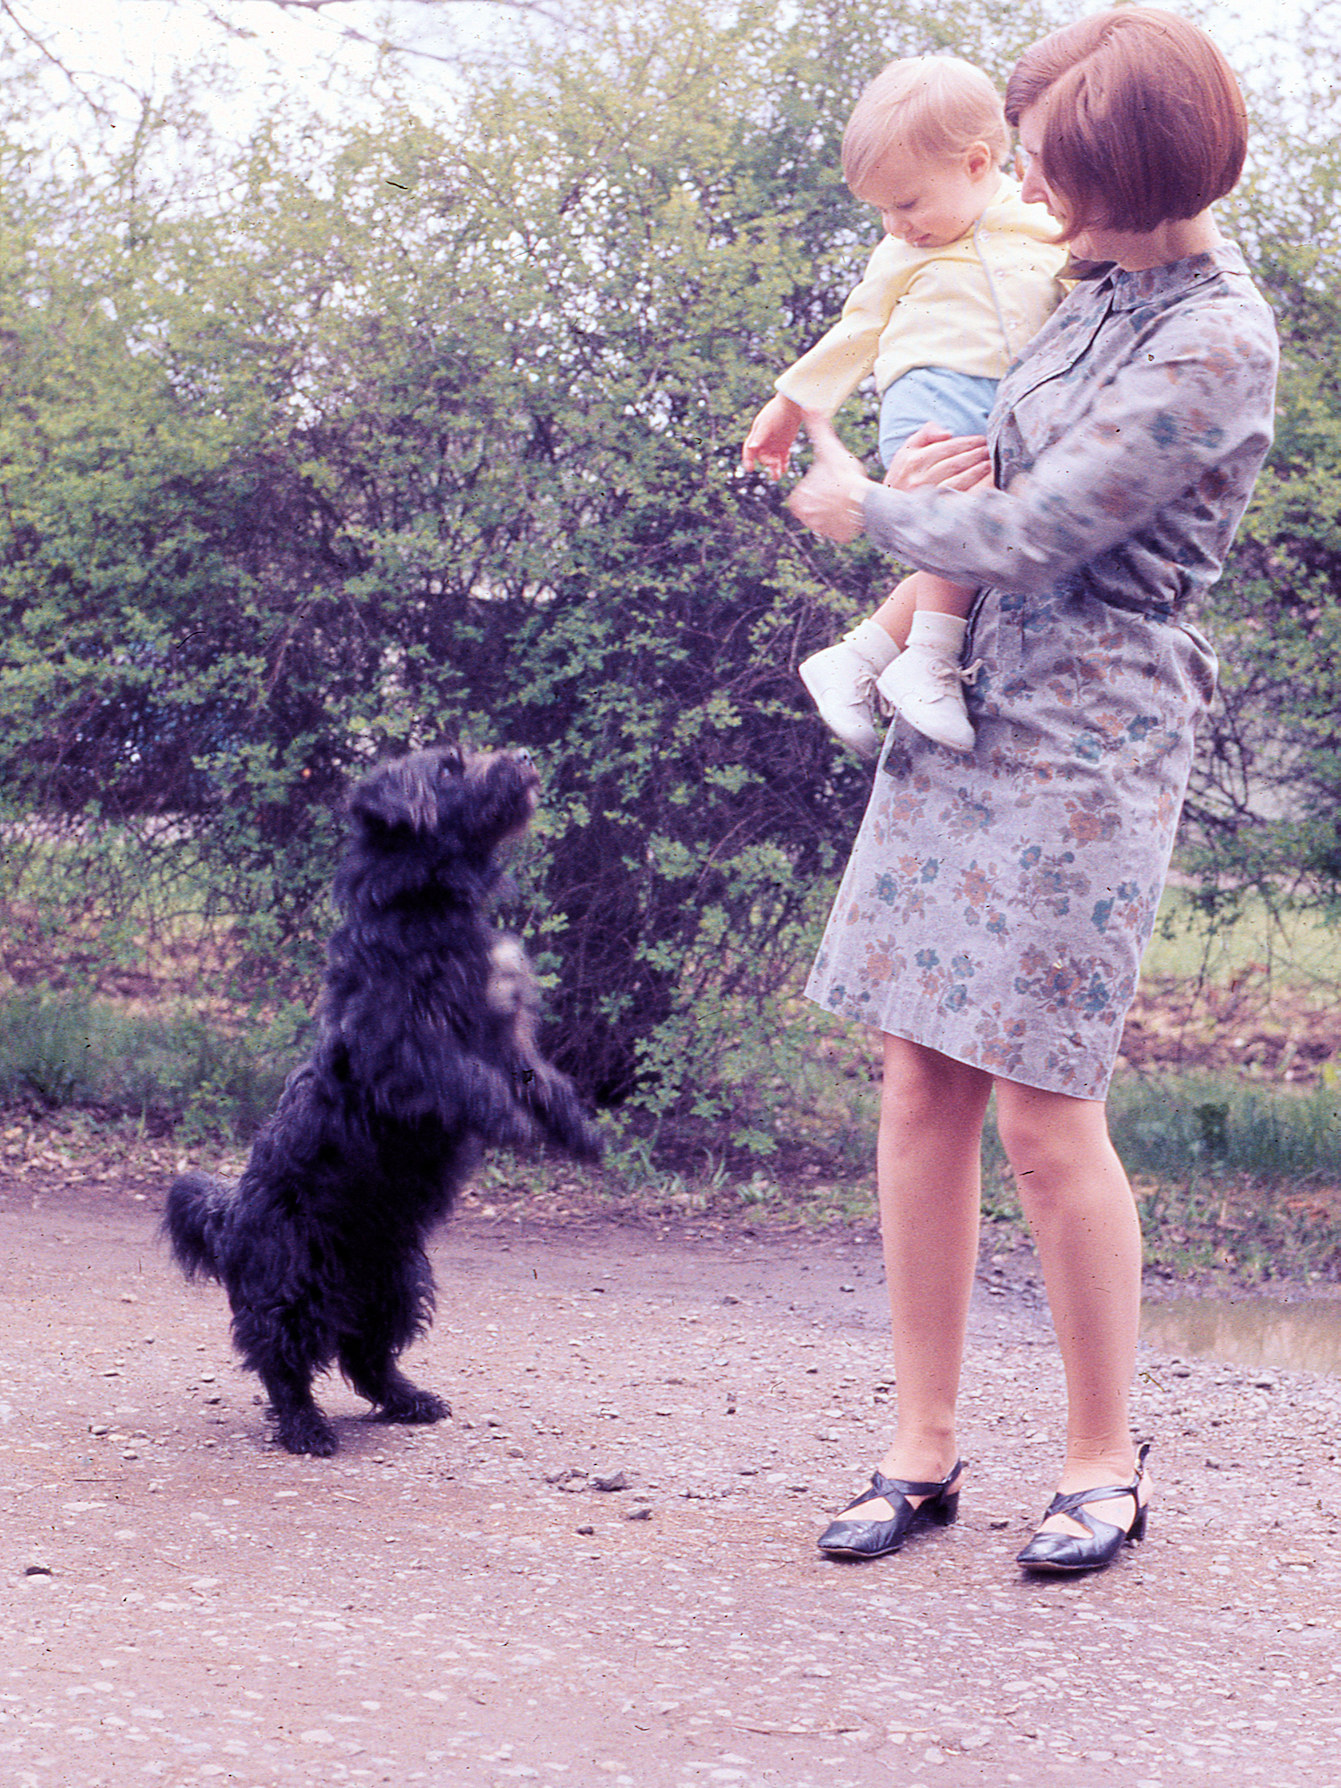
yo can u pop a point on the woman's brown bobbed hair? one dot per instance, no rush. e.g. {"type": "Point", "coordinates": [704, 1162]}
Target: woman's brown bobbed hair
{"type": "Point", "coordinates": [1143, 121]}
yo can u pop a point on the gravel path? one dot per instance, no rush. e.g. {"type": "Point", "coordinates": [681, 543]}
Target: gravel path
{"type": "Point", "coordinates": [602, 1571]}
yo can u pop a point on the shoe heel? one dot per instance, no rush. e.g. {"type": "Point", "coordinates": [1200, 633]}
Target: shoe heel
{"type": "Point", "coordinates": [944, 1509]}
{"type": "Point", "coordinates": [1137, 1531]}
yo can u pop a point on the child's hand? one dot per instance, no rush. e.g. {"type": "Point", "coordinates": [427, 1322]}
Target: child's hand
{"type": "Point", "coordinates": [829, 498]}
{"type": "Point", "coordinates": [770, 440]}
{"type": "Point", "coordinates": [934, 456]}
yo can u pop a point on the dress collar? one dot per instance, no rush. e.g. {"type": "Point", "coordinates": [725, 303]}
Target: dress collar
{"type": "Point", "coordinates": [1157, 285]}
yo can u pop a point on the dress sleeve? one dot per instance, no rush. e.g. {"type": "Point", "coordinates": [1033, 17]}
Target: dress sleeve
{"type": "Point", "coordinates": [831, 371]}
{"type": "Point", "coordinates": [1173, 419]}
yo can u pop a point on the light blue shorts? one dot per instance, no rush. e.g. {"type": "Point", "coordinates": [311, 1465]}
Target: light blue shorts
{"type": "Point", "coordinates": [958, 401]}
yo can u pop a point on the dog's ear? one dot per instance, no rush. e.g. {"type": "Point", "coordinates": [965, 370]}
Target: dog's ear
{"type": "Point", "coordinates": [405, 793]}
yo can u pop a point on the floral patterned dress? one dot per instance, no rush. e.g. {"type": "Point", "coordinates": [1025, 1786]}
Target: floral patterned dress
{"type": "Point", "coordinates": [997, 904]}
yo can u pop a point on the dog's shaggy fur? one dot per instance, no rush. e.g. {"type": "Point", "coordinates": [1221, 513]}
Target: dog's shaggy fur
{"type": "Point", "coordinates": [425, 1050]}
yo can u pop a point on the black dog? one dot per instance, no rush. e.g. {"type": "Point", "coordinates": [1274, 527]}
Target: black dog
{"type": "Point", "coordinates": [425, 1050]}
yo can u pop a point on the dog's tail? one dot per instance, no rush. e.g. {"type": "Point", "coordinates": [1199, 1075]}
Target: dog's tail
{"type": "Point", "coordinates": [193, 1220]}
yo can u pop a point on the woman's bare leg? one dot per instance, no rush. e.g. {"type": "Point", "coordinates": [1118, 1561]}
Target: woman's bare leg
{"type": "Point", "coordinates": [1079, 1204]}
{"type": "Point", "coordinates": [927, 1169]}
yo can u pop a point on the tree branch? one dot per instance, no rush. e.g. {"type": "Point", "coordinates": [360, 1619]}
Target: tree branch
{"type": "Point", "coordinates": [551, 11]}
{"type": "Point", "coordinates": [223, 15]}
{"type": "Point", "coordinates": [30, 35]}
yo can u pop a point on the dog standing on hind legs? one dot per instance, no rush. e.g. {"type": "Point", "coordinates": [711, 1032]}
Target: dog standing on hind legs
{"type": "Point", "coordinates": [425, 1051]}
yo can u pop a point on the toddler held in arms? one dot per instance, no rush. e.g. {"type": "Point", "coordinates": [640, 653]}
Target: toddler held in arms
{"type": "Point", "coordinates": [966, 273]}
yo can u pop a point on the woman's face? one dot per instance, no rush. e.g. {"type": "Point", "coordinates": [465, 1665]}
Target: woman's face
{"type": "Point", "coordinates": [1093, 244]}
{"type": "Point", "coordinates": [1168, 241]}
{"type": "Point", "coordinates": [1132, 249]}
{"type": "Point", "coordinates": [1034, 188]}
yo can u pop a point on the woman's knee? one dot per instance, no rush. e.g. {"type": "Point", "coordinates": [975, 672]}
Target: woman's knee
{"type": "Point", "coordinates": [921, 1084]}
{"type": "Point", "coordinates": [1046, 1136]}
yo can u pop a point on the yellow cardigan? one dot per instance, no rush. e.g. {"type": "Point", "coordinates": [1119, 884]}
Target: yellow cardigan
{"type": "Point", "coordinates": [971, 306]}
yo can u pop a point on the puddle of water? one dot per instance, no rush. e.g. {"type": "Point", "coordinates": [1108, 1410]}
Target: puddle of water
{"type": "Point", "coordinates": [1249, 1332]}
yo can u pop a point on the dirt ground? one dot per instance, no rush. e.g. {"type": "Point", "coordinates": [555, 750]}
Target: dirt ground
{"type": "Point", "coordinates": [602, 1570]}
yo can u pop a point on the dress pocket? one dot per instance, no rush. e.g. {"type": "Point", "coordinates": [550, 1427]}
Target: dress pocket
{"type": "Point", "coordinates": [994, 643]}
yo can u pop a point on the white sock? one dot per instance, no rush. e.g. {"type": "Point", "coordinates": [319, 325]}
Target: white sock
{"type": "Point", "coordinates": [935, 632]}
{"type": "Point", "coordinates": [872, 644]}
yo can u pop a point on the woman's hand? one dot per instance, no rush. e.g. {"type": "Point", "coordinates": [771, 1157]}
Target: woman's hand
{"type": "Point", "coordinates": [829, 498]}
{"type": "Point", "coordinates": [934, 456]}
{"type": "Point", "coordinates": [769, 442]}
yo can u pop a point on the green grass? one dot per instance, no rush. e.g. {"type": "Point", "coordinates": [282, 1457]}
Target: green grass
{"type": "Point", "coordinates": [64, 1049]}
{"type": "Point", "coordinates": [1295, 948]}
{"type": "Point", "coordinates": [1230, 1171]}
{"type": "Point", "coordinates": [1165, 1124]}
{"type": "Point", "coordinates": [1255, 1230]}
{"type": "Point", "coordinates": [1228, 1176]}
{"type": "Point", "coordinates": [71, 1049]}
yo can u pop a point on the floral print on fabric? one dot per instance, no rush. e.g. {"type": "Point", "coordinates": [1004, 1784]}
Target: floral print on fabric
{"type": "Point", "coordinates": [996, 905]}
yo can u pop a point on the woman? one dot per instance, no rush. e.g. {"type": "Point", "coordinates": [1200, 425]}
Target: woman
{"type": "Point", "coordinates": [995, 908]}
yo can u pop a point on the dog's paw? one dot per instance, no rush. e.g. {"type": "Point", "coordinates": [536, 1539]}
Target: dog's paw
{"type": "Point", "coordinates": [414, 1405]}
{"type": "Point", "coordinates": [308, 1431]}
{"type": "Point", "coordinates": [573, 1132]}
{"type": "Point", "coordinates": [588, 1143]}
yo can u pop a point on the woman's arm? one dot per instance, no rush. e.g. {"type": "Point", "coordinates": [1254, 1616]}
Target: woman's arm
{"type": "Point", "coordinates": [831, 496]}
{"type": "Point", "coordinates": [1173, 418]}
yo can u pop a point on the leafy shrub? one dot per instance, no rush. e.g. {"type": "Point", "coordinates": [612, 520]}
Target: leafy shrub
{"type": "Point", "coordinates": [69, 1048]}
{"type": "Point", "coordinates": [433, 429]}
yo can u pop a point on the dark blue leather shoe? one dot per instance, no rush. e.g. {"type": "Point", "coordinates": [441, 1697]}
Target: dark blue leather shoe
{"type": "Point", "coordinates": [873, 1539]}
{"type": "Point", "coordinates": [1067, 1552]}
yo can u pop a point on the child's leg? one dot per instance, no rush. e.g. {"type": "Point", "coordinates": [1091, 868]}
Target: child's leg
{"type": "Point", "coordinates": [842, 679]}
{"type": "Point", "coordinates": [923, 612]}
{"type": "Point", "coordinates": [841, 682]}
{"type": "Point", "coordinates": [940, 617]}
{"type": "Point", "coordinates": [922, 592]}
{"type": "Point", "coordinates": [937, 595]}
{"type": "Point", "coordinates": [925, 683]}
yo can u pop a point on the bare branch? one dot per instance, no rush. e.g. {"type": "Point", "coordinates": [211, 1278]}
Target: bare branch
{"type": "Point", "coordinates": [519, 6]}
{"type": "Point", "coordinates": [30, 36]}
{"type": "Point", "coordinates": [551, 11]}
{"type": "Point", "coordinates": [77, 78]}
{"type": "Point", "coordinates": [224, 16]}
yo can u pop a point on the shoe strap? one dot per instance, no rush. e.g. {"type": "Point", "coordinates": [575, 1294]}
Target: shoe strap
{"type": "Point", "coordinates": [1066, 1503]}
{"type": "Point", "coordinates": [883, 1486]}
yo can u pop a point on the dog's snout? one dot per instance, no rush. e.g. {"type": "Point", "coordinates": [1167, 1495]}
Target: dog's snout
{"type": "Point", "coordinates": [525, 759]}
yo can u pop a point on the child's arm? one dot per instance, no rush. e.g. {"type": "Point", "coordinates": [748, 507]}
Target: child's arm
{"type": "Point", "coordinates": [826, 376]}
{"type": "Point", "coordinates": [772, 434]}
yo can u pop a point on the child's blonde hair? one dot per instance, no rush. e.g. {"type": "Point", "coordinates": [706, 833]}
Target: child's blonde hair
{"type": "Point", "coordinates": [930, 106]}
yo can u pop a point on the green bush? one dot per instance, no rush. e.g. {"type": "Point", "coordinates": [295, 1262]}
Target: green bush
{"type": "Point", "coordinates": [432, 428]}
{"type": "Point", "coordinates": [1264, 812]}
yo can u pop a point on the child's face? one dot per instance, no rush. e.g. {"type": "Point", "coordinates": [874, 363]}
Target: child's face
{"type": "Point", "coordinates": [930, 203]}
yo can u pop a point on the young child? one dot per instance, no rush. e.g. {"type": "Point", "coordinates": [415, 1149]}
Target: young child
{"type": "Point", "coordinates": [965, 274]}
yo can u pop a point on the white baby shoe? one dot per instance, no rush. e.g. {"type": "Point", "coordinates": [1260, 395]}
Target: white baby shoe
{"type": "Point", "coordinates": [927, 688]}
{"type": "Point", "coordinates": [841, 680]}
